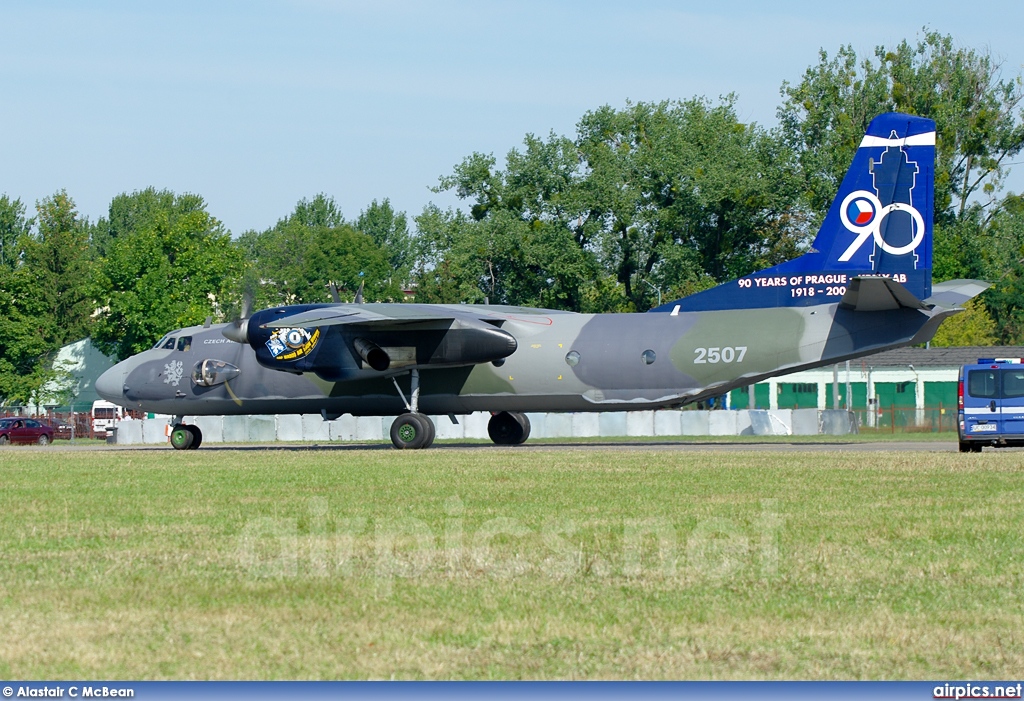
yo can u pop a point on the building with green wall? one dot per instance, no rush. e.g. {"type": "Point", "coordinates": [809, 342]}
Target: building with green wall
{"type": "Point", "coordinates": [881, 386]}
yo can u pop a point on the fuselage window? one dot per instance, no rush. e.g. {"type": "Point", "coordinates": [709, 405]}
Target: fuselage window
{"type": "Point", "coordinates": [169, 343]}
{"type": "Point", "coordinates": [184, 343]}
{"type": "Point", "coordinates": [648, 356]}
{"type": "Point", "coordinates": [572, 358]}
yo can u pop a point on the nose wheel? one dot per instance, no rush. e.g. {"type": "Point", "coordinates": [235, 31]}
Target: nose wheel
{"type": "Point", "coordinates": [186, 437]}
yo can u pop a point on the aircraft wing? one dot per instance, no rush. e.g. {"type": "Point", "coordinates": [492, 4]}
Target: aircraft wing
{"type": "Point", "coordinates": [399, 314]}
{"type": "Point", "coordinates": [352, 314]}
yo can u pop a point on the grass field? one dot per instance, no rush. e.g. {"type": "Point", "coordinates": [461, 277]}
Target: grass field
{"type": "Point", "coordinates": [505, 564]}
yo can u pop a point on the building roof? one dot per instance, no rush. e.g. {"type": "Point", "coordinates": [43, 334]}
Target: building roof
{"type": "Point", "coordinates": [938, 357]}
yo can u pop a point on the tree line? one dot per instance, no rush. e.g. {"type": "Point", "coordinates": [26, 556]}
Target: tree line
{"type": "Point", "coordinates": [644, 202]}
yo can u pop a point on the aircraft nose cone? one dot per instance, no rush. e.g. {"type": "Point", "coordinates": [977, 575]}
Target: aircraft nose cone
{"type": "Point", "coordinates": [110, 385]}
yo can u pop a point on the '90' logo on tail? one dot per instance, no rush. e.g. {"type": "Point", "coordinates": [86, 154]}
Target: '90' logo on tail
{"type": "Point", "coordinates": [863, 214]}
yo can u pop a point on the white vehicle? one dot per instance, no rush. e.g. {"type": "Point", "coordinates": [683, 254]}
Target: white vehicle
{"type": "Point", "coordinates": [105, 414]}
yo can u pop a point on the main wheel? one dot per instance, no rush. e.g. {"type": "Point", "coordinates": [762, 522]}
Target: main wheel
{"type": "Point", "coordinates": [43, 440]}
{"type": "Point", "coordinates": [508, 428]}
{"type": "Point", "coordinates": [411, 432]}
{"type": "Point", "coordinates": [181, 437]}
{"type": "Point", "coordinates": [431, 430]}
{"type": "Point", "coordinates": [197, 436]}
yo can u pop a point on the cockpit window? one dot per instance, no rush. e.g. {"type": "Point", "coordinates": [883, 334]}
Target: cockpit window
{"type": "Point", "coordinates": [184, 343]}
{"type": "Point", "coordinates": [160, 343]}
{"type": "Point", "coordinates": [169, 343]}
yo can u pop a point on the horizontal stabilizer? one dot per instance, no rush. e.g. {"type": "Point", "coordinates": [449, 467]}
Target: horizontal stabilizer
{"type": "Point", "coordinates": [953, 293]}
{"type": "Point", "coordinates": [878, 294]}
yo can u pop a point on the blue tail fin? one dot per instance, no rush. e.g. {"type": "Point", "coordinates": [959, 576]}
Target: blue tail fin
{"type": "Point", "coordinates": [879, 224]}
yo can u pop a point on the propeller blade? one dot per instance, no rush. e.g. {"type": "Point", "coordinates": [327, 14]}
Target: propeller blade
{"type": "Point", "coordinates": [238, 329]}
{"type": "Point", "coordinates": [335, 297]}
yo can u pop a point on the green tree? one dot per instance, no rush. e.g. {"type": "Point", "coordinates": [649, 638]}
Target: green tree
{"type": "Point", "coordinates": [979, 132]}
{"type": "Point", "coordinates": [294, 261]}
{"type": "Point", "coordinates": [57, 256]}
{"type": "Point", "coordinates": [1003, 265]}
{"type": "Point", "coordinates": [45, 296]}
{"type": "Point", "coordinates": [976, 113]}
{"type": "Point", "coordinates": [972, 327]}
{"type": "Point", "coordinates": [172, 266]}
{"type": "Point", "coordinates": [390, 232]}
{"type": "Point", "coordinates": [13, 225]}
{"type": "Point", "coordinates": [655, 197]}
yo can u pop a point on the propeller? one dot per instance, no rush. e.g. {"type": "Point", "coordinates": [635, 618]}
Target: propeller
{"type": "Point", "coordinates": [238, 330]}
{"type": "Point", "coordinates": [335, 297]}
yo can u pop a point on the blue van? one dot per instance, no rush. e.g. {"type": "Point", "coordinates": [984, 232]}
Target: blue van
{"type": "Point", "coordinates": [990, 398]}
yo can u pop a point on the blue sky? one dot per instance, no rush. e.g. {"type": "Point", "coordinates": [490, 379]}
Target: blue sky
{"type": "Point", "coordinates": [254, 105]}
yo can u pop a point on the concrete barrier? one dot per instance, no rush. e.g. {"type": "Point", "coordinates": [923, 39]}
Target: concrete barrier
{"type": "Point", "coordinates": [587, 425]}
{"type": "Point", "coordinates": [211, 426]}
{"type": "Point", "coordinates": [668, 422]}
{"type": "Point", "coordinates": [558, 426]}
{"type": "Point", "coordinates": [315, 429]}
{"type": "Point", "coordinates": [129, 432]}
{"type": "Point", "coordinates": [154, 431]}
{"type": "Point", "coordinates": [236, 429]}
{"type": "Point", "coordinates": [639, 423]}
{"type": "Point", "coordinates": [834, 422]}
{"type": "Point", "coordinates": [372, 429]}
{"type": "Point", "coordinates": [722, 423]}
{"type": "Point", "coordinates": [805, 422]}
{"type": "Point", "coordinates": [289, 427]}
{"type": "Point", "coordinates": [612, 423]}
{"type": "Point", "coordinates": [695, 423]}
{"type": "Point", "coordinates": [445, 430]}
{"type": "Point", "coordinates": [476, 424]}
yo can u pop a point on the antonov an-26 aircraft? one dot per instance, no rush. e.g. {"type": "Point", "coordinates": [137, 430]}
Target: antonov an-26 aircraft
{"type": "Point", "coordinates": [865, 286]}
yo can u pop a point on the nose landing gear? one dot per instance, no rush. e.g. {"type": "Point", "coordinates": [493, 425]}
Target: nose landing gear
{"type": "Point", "coordinates": [185, 437]}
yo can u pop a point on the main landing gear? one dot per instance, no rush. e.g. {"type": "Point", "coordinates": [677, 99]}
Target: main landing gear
{"type": "Point", "coordinates": [412, 430]}
{"type": "Point", "coordinates": [185, 437]}
{"type": "Point", "coordinates": [508, 428]}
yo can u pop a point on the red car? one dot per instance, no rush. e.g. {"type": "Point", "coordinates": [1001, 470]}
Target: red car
{"type": "Point", "coordinates": [18, 430]}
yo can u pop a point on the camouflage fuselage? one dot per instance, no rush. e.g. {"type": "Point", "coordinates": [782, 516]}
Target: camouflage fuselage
{"type": "Point", "coordinates": [623, 361]}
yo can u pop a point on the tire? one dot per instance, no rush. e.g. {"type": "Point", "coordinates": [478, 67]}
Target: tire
{"type": "Point", "coordinates": [410, 432]}
{"type": "Point", "coordinates": [197, 437]}
{"type": "Point", "coordinates": [181, 437]}
{"type": "Point", "coordinates": [966, 447]}
{"type": "Point", "coordinates": [508, 428]}
{"type": "Point", "coordinates": [431, 430]}
{"type": "Point", "coordinates": [5, 439]}
{"type": "Point", "coordinates": [43, 440]}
